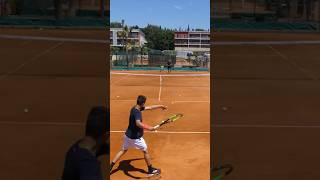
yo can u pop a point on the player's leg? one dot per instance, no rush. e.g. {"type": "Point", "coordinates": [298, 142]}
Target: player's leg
{"type": "Point", "coordinates": [117, 157]}
{"type": "Point", "coordinates": [147, 157]}
{"type": "Point", "coordinates": [124, 149]}
{"type": "Point", "coordinates": [151, 170]}
{"type": "Point", "coordinates": [141, 144]}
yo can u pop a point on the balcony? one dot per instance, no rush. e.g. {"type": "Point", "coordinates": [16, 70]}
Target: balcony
{"type": "Point", "coordinates": [205, 37]}
{"type": "Point", "coordinates": [194, 36]}
{"type": "Point", "coordinates": [181, 45]}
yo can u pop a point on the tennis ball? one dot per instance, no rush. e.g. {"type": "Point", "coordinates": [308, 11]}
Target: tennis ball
{"type": "Point", "coordinates": [26, 110]}
{"type": "Point", "coordinates": [224, 108]}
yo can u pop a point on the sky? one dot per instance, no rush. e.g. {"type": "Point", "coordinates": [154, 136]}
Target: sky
{"type": "Point", "coordinates": [166, 13]}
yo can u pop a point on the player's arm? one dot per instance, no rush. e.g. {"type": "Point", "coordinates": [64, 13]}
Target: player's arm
{"type": "Point", "coordinates": [156, 107]}
{"type": "Point", "coordinates": [144, 126]}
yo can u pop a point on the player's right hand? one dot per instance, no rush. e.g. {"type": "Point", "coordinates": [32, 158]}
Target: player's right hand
{"type": "Point", "coordinates": [164, 107]}
{"type": "Point", "coordinates": [152, 129]}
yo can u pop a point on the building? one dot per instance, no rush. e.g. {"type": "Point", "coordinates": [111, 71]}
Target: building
{"type": "Point", "coordinates": [136, 37]}
{"type": "Point", "coordinates": [192, 41]}
{"type": "Point", "coordinates": [290, 10]}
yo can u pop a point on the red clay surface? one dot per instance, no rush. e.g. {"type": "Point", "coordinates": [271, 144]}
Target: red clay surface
{"type": "Point", "coordinates": [181, 149]}
{"type": "Point", "coordinates": [265, 118]}
{"type": "Point", "coordinates": [58, 82]}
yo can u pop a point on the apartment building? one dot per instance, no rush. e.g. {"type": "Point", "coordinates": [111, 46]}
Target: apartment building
{"type": "Point", "coordinates": [194, 41]}
{"type": "Point", "coordinates": [136, 37]}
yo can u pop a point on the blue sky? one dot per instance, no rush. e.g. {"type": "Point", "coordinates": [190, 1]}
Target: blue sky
{"type": "Point", "coordinates": [167, 13]}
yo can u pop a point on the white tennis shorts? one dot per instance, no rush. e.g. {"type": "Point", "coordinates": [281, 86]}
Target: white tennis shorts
{"type": "Point", "coordinates": [134, 143]}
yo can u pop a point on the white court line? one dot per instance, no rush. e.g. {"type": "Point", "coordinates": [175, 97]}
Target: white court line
{"type": "Point", "coordinates": [60, 39]}
{"type": "Point", "coordinates": [191, 101]}
{"type": "Point", "coordinates": [170, 132]}
{"type": "Point", "coordinates": [299, 42]}
{"type": "Point", "coordinates": [42, 123]}
{"type": "Point", "coordinates": [122, 78]}
{"type": "Point", "coordinates": [82, 124]}
{"type": "Point", "coordinates": [160, 89]}
{"type": "Point", "coordinates": [262, 126]}
{"type": "Point", "coordinates": [157, 75]}
{"type": "Point", "coordinates": [120, 100]}
{"type": "Point", "coordinates": [31, 60]}
{"type": "Point", "coordinates": [294, 64]}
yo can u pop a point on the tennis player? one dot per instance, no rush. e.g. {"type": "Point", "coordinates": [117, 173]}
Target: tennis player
{"type": "Point", "coordinates": [134, 134]}
{"type": "Point", "coordinates": [169, 64]}
{"type": "Point", "coordinates": [81, 160]}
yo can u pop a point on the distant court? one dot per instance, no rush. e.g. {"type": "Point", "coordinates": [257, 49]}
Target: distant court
{"type": "Point", "coordinates": [265, 99]}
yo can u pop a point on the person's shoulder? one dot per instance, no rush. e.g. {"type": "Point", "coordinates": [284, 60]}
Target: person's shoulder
{"type": "Point", "coordinates": [76, 152]}
{"type": "Point", "coordinates": [73, 148]}
{"type": "Point", "coordinates": [135, 110]}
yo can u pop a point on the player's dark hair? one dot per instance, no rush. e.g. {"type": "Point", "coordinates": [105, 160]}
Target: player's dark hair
{"type": "Point", "coordinates": [141, 100]}
{"type": "Point", "coordinates": [98, 122]}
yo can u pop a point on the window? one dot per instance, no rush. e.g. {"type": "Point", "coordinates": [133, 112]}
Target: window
{"type": "Point", "coordinates": [181, 35]}
{"type": "Point", "coordinates": [194, 41]}
{"type": "Point", "coordinates": [205, 41]}
{"type": "Point", "coordinates": [205, 36]}
{"type": "Point", "coordinates": [181, 41]}
{"type": "Point", "coordinates": [194, 35]}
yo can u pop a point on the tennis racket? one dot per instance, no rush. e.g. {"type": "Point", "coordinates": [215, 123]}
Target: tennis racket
{"type": "Point", "coordinates": [169, 120]}
{"type": "Point", "coordinates": [222, 171]}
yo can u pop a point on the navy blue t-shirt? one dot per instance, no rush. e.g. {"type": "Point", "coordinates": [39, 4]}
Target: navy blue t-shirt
{"type": "Point", "coordinates": [133, 131]}
{"type": "Point", "coordinates": [81, 164]}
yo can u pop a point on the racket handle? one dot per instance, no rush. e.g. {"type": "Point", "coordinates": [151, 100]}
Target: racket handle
{"type": "Point", "coordinates": [156, 127]}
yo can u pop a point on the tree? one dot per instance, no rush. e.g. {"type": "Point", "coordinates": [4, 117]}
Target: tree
{"type": "Point", "coordinates": [159, 38]}
{"type": "Point", "coordinates": [135, 27]}
{"type": "Point", "coordinates": [114, 50]}
{"type": "Point", "coordinates": [115, 25]}
{"type": "Point", "coordinates": [143, 51]}
{"type": "Point", "coordinates": [124, 34]}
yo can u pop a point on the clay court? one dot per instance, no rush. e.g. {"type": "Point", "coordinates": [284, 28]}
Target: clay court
{"type": "Point", "coordinates": [181, 149]}
{"type": "Point", "coordinates": [48, 86]}
{"type": "Point", "coordinates": [265, 107]}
